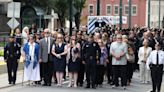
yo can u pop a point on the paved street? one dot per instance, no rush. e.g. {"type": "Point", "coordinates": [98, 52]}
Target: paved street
{"type": "Point", "coordinates": [135, 86]}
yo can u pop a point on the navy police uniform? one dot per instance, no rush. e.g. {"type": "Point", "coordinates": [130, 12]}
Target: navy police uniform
{"type": "Point", "coordinates": [91, 54]}
{"type": "Point", "coordinates": [11, 55]}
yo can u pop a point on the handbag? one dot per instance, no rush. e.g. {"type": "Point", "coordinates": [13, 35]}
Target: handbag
{"type": "Point", "coordinates": [22, 59]}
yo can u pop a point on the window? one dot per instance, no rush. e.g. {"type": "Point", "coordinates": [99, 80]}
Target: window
{"type": "Point", "coordinates": [134, 10]}
{"type": "Point", "coordinates": [91, 9]}
{"type": "Point", "coordinates": [126, 10]}
{"type": "Point", "coordinates": [108, 9]}
{"type": "Point", "coordinates": [116, 10]}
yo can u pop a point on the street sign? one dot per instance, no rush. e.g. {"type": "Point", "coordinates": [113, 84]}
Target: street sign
{"type": "Point", "coordinates": [48, 16]}
{"type": "Point", "coordinates": [13, 23]}
{"type": "Point", "coordinates": [14, 10]}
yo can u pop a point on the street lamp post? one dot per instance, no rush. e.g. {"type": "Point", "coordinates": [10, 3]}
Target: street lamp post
{"type": "Point", "coordinates": [98, 7]}
{"type": "Point", "coordinates": [120, 14]}
{"type": "Point", "coordinates": [70, 16]}
{"type": "Point", "coordinates": [130, 14]}
{"type": "Point", "coordinates": [149, 3]}
{"type": "Point", "coordinates": [159, 23]}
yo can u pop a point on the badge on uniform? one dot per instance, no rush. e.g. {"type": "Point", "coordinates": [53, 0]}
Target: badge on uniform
{"type": "Point", "coordinates": [94, 44]}
{"type": "Point", "coordinates": [87, 45]}
{"type": "Point", "coordinates": [108, 45]}
{"type": "Point", "coordinates": [14, 45]}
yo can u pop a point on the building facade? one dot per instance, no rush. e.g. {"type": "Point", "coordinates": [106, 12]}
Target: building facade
{"type": "Point", "coordinates": [111, 8]}
{"type": "Point", "coordinates": [154, 13]}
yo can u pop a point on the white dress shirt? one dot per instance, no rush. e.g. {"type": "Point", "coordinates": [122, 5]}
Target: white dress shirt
{"type": "Point", "coordinates": [117, 49]}
{"type": "Point", "coordinates": [48, 39]}
{"type": "Point", "coordinates": [152, 59]}
{"type": "Point", "coordinates": [32, 51]}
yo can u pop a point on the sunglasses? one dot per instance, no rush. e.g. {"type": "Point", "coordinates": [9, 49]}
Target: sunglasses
{"type": "Point", "coordinates": [60, 37]}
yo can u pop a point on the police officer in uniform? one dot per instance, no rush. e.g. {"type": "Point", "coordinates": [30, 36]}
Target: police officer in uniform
{"type": "Point", "coordinates": [91, 54]}
{"type": "Point", "coordinates": [155, 63]}
{"type": "Point", "coordinates": [11, 56]}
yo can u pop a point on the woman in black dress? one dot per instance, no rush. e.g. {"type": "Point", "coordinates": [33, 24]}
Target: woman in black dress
{"type": "Point", "coordinates": [59, 50]}
{"type": "Point", "coordinates": [73, 61]}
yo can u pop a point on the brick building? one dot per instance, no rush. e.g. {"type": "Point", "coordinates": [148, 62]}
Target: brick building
{"type": "Point", "coordinates": [111, 8]}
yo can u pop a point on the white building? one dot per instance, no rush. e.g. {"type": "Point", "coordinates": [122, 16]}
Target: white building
{"type": "Point", "coordinates": [154, 13]}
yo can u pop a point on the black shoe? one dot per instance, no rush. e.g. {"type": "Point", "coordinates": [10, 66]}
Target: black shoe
{"type": "Point", "coordinates": [13, 83]}
{"type": "Point", "coordinates": [81, 85]}
{"type": "Point", "coordinates": [93, 87]}
{"type": "Point", "coordinates": [45, 85]}
{"type": "Point", "coordinates": [9, 82]}
{"type": "Point", "coordinates": [87, 87]}
{"type": "Point", "coordinates": [49, 85]}
{"type": "Point", "coordinates": [111, 83]}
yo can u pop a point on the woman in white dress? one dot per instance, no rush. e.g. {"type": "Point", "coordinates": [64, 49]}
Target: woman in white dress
{"type": "Point", "coordinates": [31, 64]}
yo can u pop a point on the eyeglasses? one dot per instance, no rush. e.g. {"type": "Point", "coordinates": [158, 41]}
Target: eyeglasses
{"type": "Point", "coordinates": [60, 37]}
{"type": "Point", "coordinates": [46, 32]}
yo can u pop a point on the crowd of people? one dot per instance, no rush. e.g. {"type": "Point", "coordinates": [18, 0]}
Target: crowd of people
{"type": "Point", "coordinates": [107, 52]}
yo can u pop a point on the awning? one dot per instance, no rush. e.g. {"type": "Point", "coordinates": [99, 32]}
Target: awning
{"type": "Point", "coordinates": [5, 1]}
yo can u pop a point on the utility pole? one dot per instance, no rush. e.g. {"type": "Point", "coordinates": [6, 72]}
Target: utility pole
{"type": "Point", "coordinates": [70, 16]}
{"type": "Point", "coordinates": [149, 3]}
{"type": "Point", "coordinates": [98, 7]}
{"type": "Point", "coordinates": [130, 13]}
{"type": "Point", "coordinates": [120, 14]}
{"type": "Point", "coordinates": [159, 24]}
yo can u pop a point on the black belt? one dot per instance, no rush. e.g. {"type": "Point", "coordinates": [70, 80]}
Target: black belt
{"type": "Point", "coordinates": [154, 65]}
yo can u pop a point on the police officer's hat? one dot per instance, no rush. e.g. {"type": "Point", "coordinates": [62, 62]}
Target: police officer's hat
{"type": "Point", "coordinates": [11, 36]}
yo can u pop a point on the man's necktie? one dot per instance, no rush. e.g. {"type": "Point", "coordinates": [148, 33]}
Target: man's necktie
{"type": "Point", "coordinates": [157, 58]}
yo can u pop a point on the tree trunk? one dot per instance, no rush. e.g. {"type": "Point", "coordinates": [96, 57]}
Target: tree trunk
{"type": "Point", "coordinates": [62, 21]}
{"type": "Point", "coordinates": [77, 20]}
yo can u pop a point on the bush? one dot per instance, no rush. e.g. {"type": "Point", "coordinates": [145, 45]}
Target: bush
{"type": "Point", "coordinates": [1, 52]}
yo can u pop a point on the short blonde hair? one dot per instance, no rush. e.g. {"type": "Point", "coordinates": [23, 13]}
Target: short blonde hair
{"type": "Point", "coordinates": [145, 42]}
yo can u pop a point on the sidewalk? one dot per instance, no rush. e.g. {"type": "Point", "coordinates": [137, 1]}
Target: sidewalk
{"type": "Point", "coordinates": [4, 79]}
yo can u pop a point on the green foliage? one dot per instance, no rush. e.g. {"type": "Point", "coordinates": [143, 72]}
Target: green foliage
{"type": "Point", "coordinates": [79, 5]}
{"type": "Point", "coordinates": [61, 7]}
{"type": "Point", "coordinates": [1, 52]}
{"type": "Point", "coordinates": [2, 44]}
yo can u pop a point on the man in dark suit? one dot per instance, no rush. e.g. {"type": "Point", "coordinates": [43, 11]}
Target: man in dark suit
{"type": "Point", "coordinates": [11, 55]}
{"type": "Point", "coordinates": [82, 41]}
{"type": "Point", "coordinates": [46, 57]}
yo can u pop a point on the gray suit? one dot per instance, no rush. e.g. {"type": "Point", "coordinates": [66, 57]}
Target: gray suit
{"type": "Point", "coordinates": [43, 52]}
{"type": "Point", "coordinates": [47, 61]}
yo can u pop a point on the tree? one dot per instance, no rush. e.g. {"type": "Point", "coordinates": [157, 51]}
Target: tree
{"type": "Point", "coordinates": [79, 5]}
{"type": "Point", "coordinates": [61, 8]}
